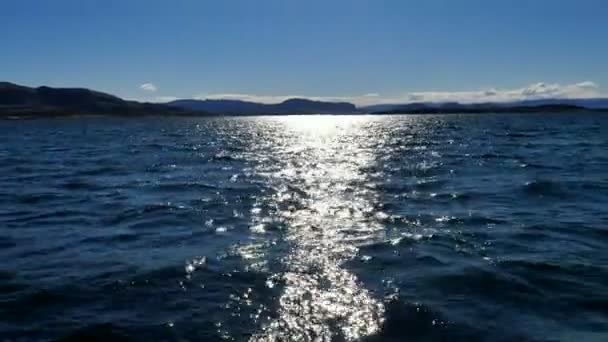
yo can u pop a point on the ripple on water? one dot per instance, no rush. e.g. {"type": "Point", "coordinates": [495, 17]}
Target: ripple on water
{"type": "Point", "coordinates": [322, 228]}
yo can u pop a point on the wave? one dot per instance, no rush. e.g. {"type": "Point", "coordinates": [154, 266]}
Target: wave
{"type": "Point", "coordinates": [544, 188]}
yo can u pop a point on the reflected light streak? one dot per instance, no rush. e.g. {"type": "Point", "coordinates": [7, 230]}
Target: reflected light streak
{"type": "Point", "coordinates": [328, 203]}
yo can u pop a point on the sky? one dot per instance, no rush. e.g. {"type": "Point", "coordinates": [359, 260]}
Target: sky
{"type": "Point", "coordinates": [363, 51]}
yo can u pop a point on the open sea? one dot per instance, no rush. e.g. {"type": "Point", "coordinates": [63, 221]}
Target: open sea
{"type": "Point", "coordinates": [305, 228]}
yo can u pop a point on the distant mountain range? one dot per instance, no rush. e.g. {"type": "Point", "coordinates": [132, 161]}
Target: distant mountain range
{"type": "Point", "coordinates": [19, 101]}
{"type": "Point", "coordinates": [484, 108]}
{"type": "Point", "coordinates": [303, 106]}
{"type": "Point", "coordinates": [291, 106]}
{"type": "Point", "coordinates": [546, 104]}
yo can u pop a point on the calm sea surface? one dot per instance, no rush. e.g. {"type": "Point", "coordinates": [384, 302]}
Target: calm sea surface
{"type": "Point", "coordinates": [302, 228]}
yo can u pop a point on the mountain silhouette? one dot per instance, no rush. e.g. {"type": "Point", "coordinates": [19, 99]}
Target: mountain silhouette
{"type": "Point", "coordinates": [547, 104]}
{"type": "Point", "coordinates": [290, 106]}
{"type": "Point", "coordinates": [20, 100]}
{"type": "Point", "coordinates": [17, 100]}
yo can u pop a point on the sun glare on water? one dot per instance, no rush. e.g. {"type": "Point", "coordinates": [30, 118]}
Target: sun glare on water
{"type": "Point", "coordinates": [328, 204]}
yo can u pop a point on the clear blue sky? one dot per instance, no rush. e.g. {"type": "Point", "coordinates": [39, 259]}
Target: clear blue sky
{"type": "Point", "coordinates": [308, 48]}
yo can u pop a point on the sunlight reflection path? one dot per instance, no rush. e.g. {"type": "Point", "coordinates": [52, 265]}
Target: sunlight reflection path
{"type": "Point", "coordinates": [328, 202]}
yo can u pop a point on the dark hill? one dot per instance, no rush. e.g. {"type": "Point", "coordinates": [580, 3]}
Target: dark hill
{"type": "Point", "coordinates": [220, 106]}
{"type": "Point", "coordinates": [17, 100]}
{"type": "Point", "coordinates": [291, 106]}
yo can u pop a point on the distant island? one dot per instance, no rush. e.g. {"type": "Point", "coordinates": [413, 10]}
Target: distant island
{"type": "Point", "coordinates": [18, 101]}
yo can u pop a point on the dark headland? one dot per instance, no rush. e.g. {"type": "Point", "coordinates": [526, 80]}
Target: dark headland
{"type": "Point", "coordinates": [22, 101]}
{"type": "Point", "coordinates": [19, 101]}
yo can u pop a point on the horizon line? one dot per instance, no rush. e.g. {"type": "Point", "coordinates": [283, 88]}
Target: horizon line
{"type": "Point", "coordinates": [535, 91]}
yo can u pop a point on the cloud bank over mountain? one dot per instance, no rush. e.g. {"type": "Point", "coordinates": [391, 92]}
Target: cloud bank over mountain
{"type": "Point", "coordinates": [535, 91]}
{"type": "Point", "coordinates": [540, 90]}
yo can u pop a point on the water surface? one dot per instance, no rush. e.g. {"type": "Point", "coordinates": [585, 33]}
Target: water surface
{"type": "Point", "coordinates": [326, 228]}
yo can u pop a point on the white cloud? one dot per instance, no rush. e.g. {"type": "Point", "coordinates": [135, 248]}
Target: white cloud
{"type": "Point", "coordinates": [538, 90]}
{"type": "Point", "coordinates": [245, 97]}
{"type": "Point", "coordinates": [154, 99]}
{"type": "Point", "coordinates": [149, 87]}
{"type": "Point", "coordinates": [270, 98]}
{"type": "Point", "coordinates": [162, 99]}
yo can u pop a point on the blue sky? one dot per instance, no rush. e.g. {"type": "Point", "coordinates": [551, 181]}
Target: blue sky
{"type": "Point", "coordinates": [367, 51]}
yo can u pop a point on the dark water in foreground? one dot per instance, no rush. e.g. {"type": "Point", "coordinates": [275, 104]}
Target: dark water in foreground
{"type": "Point", "coordinates": [396, 228]}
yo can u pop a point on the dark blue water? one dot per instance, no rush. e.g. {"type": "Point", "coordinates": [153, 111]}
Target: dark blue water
{"type": "Point", "coordinates": [302, 228]}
